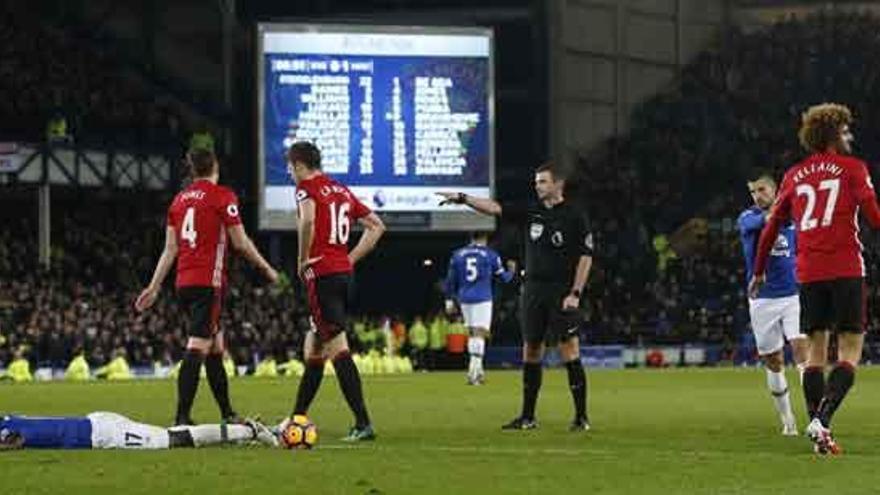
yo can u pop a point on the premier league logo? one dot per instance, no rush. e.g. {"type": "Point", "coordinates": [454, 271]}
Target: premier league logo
{"type": "Point", "coordinates": [535, 231]}
{"type": "Point", "coordinates": [379, 199]}
{"type": "Point", "coordinates": [557, 239]}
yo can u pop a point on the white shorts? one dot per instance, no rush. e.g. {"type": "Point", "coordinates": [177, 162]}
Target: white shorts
{"type": "Point", "coordinates": [115, 431]}
{"type": "Point", "coordinates": [478, 315]}
{"type": "Point", "coordinates": [774, 321]}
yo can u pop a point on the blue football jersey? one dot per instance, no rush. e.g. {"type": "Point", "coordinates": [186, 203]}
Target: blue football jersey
{"type": "Point", "coordinates": [49, 433]}
{"type": "Point", "coordinates": [781, 278]}
{"type": "Point", "coordinates": [471, 273]}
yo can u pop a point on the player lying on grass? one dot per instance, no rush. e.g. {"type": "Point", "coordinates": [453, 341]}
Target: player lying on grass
{"type": "Point", "coordinates": [106, 430]}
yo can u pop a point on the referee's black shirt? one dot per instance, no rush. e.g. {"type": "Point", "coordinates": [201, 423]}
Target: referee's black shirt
{"type": "Point", "coordinates": [555, 240]}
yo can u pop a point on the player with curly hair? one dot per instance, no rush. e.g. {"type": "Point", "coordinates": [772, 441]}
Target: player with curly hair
{"type": "Point", "coordinates": [823, 195]}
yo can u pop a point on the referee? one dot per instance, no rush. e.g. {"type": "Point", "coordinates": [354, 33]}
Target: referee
{"type": "Point", "coordinates": [559, 250]}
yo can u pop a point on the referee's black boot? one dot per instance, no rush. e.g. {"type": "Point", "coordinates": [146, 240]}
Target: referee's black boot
{"type": "Point", "coordinates": [521, 423]}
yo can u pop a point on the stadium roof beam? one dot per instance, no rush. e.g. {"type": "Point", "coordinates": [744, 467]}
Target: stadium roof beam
{"type": "Point", "coordinates": [437, 16]}
{"type": "Point", "coordinates": [61, 165]}
{"type": "Point", "coordinates": [76, 167]}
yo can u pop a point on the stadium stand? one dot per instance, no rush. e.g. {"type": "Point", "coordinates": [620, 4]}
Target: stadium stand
{"type": "Point", "coordinates": [669, 265]}
{"type": "Point", "coordinates": [53, 74]}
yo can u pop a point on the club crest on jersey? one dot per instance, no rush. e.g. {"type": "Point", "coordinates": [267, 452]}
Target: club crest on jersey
{"type": "Point", "coordinates": [535, 230]}
{"type": "Point", "coordinates": [781, 247]}
{"type": "Point", "coordinates": [557, 239]}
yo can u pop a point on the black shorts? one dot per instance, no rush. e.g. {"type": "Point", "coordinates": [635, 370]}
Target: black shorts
{"type": "Point", "coordinates": [203, 305]}
{"type": "Point", "coordinates": [838, 305]}
{"type": "Point", "coordinates": [328, 302]}
{"type": "Point", "coordinates": [543, 319]}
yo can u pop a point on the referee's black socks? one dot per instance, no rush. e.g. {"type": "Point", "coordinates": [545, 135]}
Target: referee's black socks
{"type": "Point", "coordinates": [532, 375]}
{"type": "Point", "coordinates": [840, 380]}
{"type": "Point", "coordinates": [577, 382]}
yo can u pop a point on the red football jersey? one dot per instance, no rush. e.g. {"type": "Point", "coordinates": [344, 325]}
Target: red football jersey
{"type": "Point", "coordinates": [335, 210]}
{"type": "Point", "coordinates": [199, 216]}
{"type": "Point", "coordinates": [823, 196]}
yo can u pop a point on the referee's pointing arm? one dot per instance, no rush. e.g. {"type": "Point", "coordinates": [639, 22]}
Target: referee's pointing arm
{"type": "Point", "coordinates": [483, 205]}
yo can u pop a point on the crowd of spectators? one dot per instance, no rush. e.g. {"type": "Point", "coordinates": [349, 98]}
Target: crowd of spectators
{"type": "Point", "coordinates": [101, 256]}
{"type": "Point", "coordinates": [682, 169]}
{"type": "Point", "coordinates": [48, 73]}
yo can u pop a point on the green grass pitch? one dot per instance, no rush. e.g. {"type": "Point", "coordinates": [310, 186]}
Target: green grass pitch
{"type": "Point", "coordinates": [696, 431]}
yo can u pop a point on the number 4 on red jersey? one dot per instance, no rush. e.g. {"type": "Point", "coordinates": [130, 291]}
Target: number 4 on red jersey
{"type": "Point", "coordinates": [199, 216]}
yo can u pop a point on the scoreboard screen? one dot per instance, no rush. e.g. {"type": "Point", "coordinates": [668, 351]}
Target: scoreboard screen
{"type": "Point", "coordinates": [397, 112]}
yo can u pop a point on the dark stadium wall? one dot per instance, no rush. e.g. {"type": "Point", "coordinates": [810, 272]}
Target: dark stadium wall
{"type": "Point", "coordinates": [609, 56]}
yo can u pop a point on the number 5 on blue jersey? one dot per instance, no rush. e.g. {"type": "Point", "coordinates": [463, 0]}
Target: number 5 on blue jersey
{"type": "Point", "coordinates": [472, 270]}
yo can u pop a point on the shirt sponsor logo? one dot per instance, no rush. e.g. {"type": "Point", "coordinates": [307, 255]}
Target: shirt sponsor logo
{"type": "Point", "coordinates": [535, 231]}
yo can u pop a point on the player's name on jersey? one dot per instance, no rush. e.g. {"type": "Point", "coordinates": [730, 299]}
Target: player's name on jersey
{"type": "Point", "coordinates": [814, 168]}
{"type": "Point", "coordinates": [192, 195]}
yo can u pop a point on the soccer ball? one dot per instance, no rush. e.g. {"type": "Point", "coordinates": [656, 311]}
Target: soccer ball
{"type": "Point", "coordinates": [299, 433]}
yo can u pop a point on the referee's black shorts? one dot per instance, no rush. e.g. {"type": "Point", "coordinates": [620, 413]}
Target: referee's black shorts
{"type": "Point", "coordinates": [203, 305]}
{"type": "Point", "coordinates": [838, 305]}
{"type": "Point", "coordinates": [543, 320]}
